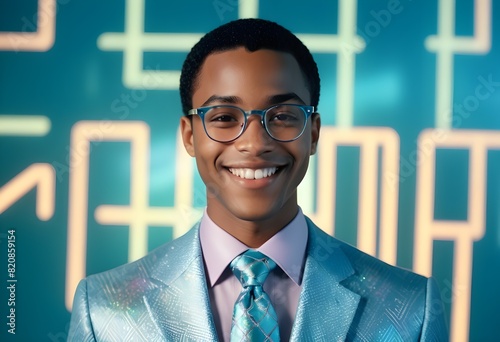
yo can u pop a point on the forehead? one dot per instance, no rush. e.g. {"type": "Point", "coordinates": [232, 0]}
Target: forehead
{"type": "Point", "coordinates": [251, 76]}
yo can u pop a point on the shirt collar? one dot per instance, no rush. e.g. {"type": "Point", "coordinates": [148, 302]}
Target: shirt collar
{"type": "Point", "coordinates": [287, 247]}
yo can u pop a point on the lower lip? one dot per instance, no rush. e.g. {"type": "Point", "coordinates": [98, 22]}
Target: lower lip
{"type": "Point", "coordinates": [254, 183]}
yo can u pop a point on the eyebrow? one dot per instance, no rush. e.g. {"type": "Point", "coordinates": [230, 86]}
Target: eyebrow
{"type": "Point", "coordinates": [280, 98]}
{"type": "Point", "coordinates": [273, 99]}
{"type": "Point", "coordinates": [222, 99]}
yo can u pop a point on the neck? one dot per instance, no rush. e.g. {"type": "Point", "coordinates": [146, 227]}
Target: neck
{"type": "Point", "coordinates": [252, 232]}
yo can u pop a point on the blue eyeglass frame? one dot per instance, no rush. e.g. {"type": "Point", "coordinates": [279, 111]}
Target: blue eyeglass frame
{"type": "Point", "coordinates": [201, 111]}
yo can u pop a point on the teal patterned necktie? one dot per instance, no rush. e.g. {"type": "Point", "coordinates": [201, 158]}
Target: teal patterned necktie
{"type": "Point", "coordinates": [254, 318]}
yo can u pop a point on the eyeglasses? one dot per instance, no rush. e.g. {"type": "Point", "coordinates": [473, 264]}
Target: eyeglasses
{"type": "Point", "coordinates": [283, 122]}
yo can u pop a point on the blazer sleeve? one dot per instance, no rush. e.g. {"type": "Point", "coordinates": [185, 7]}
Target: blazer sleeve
{"type": "Point", "coordinates": [434, 327]}
{"type": "Point", "coordinates": [81, 325]}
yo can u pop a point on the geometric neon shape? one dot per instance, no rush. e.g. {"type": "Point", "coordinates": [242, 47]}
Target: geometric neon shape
{"type": "Point", "coordinates": [369, 140]}
{"type": "Point", "coordinates": [38, 175]}
{"type": "Point", "coordinates": [446, 44]}
{"type": "Point", "coordinates": [41, 40]}
{"type": "Point", "coordinates": [24, 125]}
{"type": "Point", "coordinates": [463, 233]}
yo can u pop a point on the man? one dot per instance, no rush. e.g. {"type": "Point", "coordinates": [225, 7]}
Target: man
{"type": "Point", "coordinates": [249, 91]}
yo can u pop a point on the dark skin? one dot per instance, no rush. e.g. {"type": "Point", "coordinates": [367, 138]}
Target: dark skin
{"type": "Point", "coordinates": [251, 210]}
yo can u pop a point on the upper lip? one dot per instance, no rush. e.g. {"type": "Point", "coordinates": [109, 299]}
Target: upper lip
{"type": "Point", "coordinates": [253, 166]}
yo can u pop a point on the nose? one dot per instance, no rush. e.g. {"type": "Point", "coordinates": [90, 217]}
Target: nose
{"type": "Point", "coordinates": [254, 139]}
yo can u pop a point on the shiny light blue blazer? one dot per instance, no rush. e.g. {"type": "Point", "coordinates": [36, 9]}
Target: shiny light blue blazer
{"type": "Point", "coordinates": [346, 295]}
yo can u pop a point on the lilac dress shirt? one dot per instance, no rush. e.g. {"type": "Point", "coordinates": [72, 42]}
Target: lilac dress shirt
{"type": "Point", "coordinates": [287, 248]}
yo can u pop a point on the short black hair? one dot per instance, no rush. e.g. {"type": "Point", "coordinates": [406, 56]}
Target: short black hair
{"type": "Point", "coordinates": [253, 34]}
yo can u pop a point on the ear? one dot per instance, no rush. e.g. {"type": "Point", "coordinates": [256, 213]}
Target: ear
{"type": "Point", "coordinates": [186, 126]}
{"type": "Point", "coordinates": [315, 127]}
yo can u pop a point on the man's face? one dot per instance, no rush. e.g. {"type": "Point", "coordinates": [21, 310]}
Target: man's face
{"type": "Point", "coordinates": [250, 80]}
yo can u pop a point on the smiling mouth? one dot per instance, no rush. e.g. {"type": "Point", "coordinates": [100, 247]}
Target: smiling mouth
{"type": "Point", "coordinates": [253, 174]}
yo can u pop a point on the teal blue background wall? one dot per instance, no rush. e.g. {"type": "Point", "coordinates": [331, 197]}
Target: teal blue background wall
{"type": "Point", "coordinates": [81, 76]}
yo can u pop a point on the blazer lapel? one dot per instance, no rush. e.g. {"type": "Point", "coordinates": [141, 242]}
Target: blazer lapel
{"type": "Point", "coordinates": [180, 302]}
{"type": "Point", "coordinates": [326, 308]}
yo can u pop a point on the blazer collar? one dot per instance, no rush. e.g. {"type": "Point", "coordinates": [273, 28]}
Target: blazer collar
{"type": "Point", "coordinates": [180, 303]}
{"type": "Point", "coordinates": [326, 308]}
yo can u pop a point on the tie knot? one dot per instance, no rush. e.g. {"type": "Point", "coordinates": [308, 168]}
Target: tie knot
{"type": "Point", "coordinates": [252, 268]}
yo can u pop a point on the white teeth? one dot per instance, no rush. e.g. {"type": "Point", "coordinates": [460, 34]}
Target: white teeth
{"type": "Point", "coordinates": [249, 174]}
{"type": "Point", "coordinates": [254, 174]}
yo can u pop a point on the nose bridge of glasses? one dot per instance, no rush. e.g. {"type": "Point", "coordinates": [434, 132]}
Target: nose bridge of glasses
{"type": "Point", "coordinates": [258, 112]}
{"type": "Point", "coordinates": [249, 113]}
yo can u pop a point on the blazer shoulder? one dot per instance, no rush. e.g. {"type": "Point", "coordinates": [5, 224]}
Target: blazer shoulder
{"type": "Point", "coordinates": [158, 266]}
{"type": "Point", "coordinates": [366, 266]}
